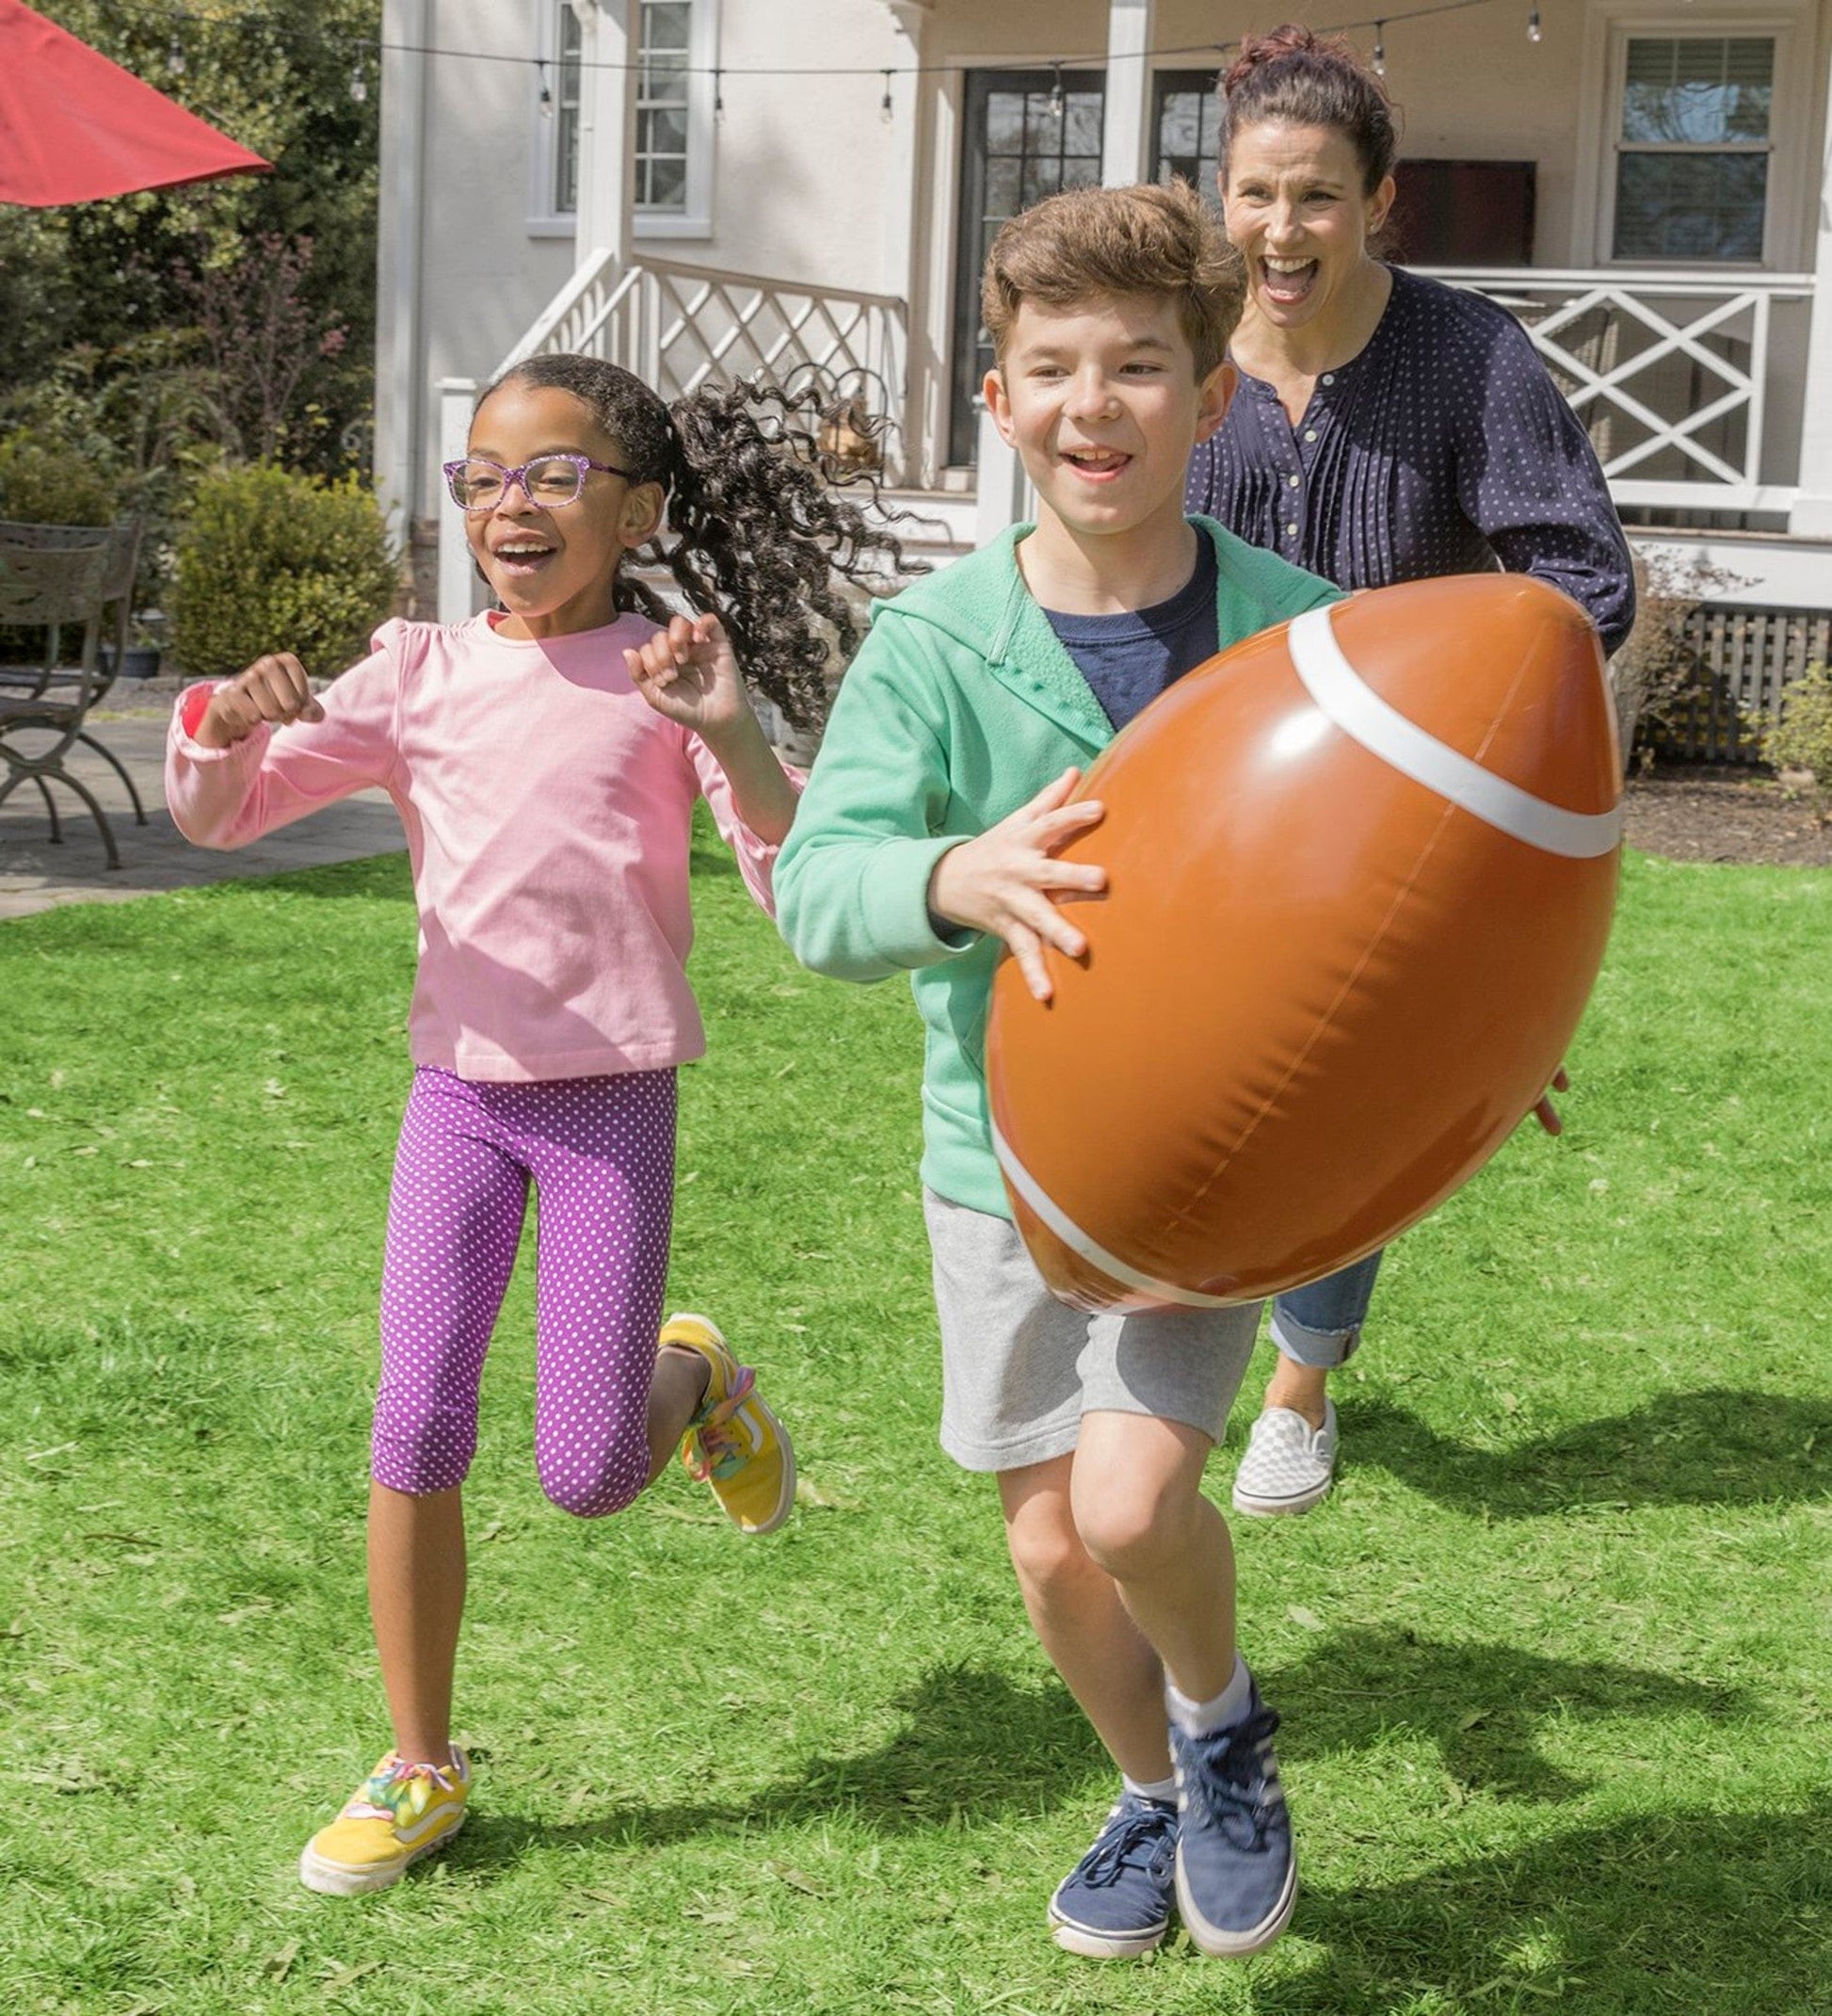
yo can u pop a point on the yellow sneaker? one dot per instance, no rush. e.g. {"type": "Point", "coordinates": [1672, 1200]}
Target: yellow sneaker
{"type": "Point", "coordinates": [734, 1443]}
{"type": "Point", "coordinates": [401, 1813]}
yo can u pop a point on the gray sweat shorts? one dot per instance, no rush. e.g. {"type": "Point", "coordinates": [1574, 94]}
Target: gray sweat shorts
{"type": "Point", "coordinates": [1018, 1369]}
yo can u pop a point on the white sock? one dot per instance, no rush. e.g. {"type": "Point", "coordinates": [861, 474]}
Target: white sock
{"type": "Point", "coordinates": [1163, 1790]}
{"type": "Point", "coordinates": [1200, 1717]}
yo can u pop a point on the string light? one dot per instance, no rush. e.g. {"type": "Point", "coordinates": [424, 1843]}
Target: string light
{"type": "Point", "coordinates": [1533, 23]}
{"type": "Point", "coordinates": [1055, 92]}
{"type": "Point", "coordinates": [546, 98]}
{"type": "Point", "coordinates": [1380, 49]}
{"type": "Point", "coordinates": [175, 58]}
{"type": "Point", "coordinates": [718, 97]}
{"type": "Point", "coordinates": [359, 85]}
{"type": "Point", "coordinates": [885, 110]}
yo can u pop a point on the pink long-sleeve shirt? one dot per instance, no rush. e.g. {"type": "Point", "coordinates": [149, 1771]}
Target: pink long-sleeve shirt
{"type": "Point", "coordinates": [548, 809]}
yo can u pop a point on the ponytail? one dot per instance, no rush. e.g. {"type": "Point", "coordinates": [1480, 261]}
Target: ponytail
{"type": "Point", "coordinates": [755, 535]}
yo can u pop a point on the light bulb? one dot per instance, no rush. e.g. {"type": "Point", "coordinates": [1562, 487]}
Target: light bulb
{"type": "Point", "coordinates": [359, 85]}
{"type": "Point", "coordinates": [1533, 25]}
{"type": "Point", "coordinates": [885, 110]}
{"type": "Point", "coordinates": [1055, 92]}
{"type": "Point", "coordinates": [1380, 49]}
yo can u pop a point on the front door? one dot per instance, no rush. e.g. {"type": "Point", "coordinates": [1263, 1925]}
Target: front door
{"type": "Point", "coordinates": [1028, 132]}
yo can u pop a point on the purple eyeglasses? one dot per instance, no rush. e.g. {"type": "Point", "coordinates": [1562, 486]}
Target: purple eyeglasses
{"type": "Point", "coordinates": [548, 481]}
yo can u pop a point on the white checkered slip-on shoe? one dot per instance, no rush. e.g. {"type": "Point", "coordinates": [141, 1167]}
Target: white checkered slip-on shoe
{"type": "Point", "coordinates": [1287, 1465]}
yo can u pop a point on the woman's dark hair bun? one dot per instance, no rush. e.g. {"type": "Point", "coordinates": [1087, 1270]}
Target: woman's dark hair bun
{"type": "Point", "coordinates": [1304, 79]}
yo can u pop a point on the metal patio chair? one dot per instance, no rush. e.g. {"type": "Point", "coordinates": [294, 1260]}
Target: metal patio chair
{"type": "Point", "coordinates": [116, 591]}
{"type": "Point", "coordinates": [53, 587]}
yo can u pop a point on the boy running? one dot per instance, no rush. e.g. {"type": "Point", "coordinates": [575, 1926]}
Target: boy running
{"type": "Point", "coordinates": [927, 843]}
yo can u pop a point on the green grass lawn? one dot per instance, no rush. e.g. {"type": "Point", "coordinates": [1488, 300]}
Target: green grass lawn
{"type": "Point", "coordinates": [1552, 1661]}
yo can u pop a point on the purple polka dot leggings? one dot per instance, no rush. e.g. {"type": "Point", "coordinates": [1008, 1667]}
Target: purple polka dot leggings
{"type": "Point", "coordinates": [600, 1154]}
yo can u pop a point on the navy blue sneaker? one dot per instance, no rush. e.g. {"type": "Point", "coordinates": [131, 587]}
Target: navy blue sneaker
{"type": "Point", "coordinates": [1114, 1903]}
{"type": "Point", "coordinates": [1236, 1872]}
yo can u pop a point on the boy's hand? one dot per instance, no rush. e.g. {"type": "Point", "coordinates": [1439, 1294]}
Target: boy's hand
{"type": "Point", "coordinates": [274, 688]}
{"type": "Point", "coordinates": [1009, 881]}
{"type": "Point", "coordinates": [689, 672]}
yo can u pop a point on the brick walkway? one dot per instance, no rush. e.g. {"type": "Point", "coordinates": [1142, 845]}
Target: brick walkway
{"type": "Point", "coordinates": [35, 875]}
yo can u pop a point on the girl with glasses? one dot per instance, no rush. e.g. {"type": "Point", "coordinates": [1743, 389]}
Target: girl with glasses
{"type": "Point", "coordinates": [545, 758]}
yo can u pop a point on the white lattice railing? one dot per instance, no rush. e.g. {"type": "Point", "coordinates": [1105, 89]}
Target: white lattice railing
{"type": "Point", "coordinates": [1670, 372]}
{"type": "Point", "coordinates": [677, 326]}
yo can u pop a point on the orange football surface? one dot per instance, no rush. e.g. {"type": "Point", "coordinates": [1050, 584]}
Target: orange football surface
{"type": "Point", "coordinates": [1361, 870]}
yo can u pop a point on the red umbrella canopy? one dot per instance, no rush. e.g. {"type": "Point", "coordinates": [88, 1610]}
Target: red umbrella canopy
{"type": "Point", "coordinates": [74, 127]}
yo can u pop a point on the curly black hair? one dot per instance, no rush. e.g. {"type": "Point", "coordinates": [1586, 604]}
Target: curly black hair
{"type": "Point", "coordinates": [754, 533]}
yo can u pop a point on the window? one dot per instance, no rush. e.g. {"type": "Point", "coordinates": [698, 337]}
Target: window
{"type": "Point", "coordinates": [554, 94]}
{"type": "Point", "coordinates": [662, 113]}
{"type": "Point", "coordinates": [1186, 134]}
{"type": "Point", "coordinates": [675, 96]}
{"type": "Point", "coordinates": [1691, 149]}
{"type": "Point", "coordinates": [565, 109]}
{"type": "Point", "coordinates": [672, 157]}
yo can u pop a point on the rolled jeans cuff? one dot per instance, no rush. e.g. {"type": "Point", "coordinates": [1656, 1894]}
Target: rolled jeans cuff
{"type": "Point", "coordinates": [1322, 1348]}
{"type": "Point", "coordinates": [1320, 1324]}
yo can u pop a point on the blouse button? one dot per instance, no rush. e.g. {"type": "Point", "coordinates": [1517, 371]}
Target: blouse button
{"type": "Point", "coordinates": [1294, 481]}
{"type": "Point", "coordinates": [1329, 378]}
{"type": "Point", "coordinates": [1310, 433]}
{"type": "Point", "coordinates": [1291, 530]}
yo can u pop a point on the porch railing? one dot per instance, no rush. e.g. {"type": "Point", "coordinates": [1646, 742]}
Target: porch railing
{"type": "Point", "coordinates": [676, 326]}
{"type": "Point", "coordinates": [1670, 373]}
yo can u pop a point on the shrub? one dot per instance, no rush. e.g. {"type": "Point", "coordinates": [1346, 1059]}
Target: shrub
{"type": "Point", "coordinates": [267, 560]}
{"type": "Point", "coordinates": [41, 485]}
{"type": "Point", "coordinates": [1801, 738]}
{"type": "Point", "coordinates": [1658, 675]}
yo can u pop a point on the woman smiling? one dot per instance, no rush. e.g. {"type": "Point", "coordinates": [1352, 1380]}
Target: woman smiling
{"type": "Point", "coordinates": [1387, 429]}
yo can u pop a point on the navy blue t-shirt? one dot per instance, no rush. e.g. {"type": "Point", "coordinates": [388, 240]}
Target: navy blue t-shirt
{"type": "Point", "coordinates": [1128, 659]}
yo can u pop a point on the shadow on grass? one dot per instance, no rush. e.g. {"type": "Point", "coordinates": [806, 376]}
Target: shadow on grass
{"type": "Point", "coordinates": [1480, 1705]}
{"type": "Point", "coordinates": [973, 1744]}
{"type": "Point", "coordinates": [1681, 1911]}
{"type": "Point", "coordinates": [1714, 1447]}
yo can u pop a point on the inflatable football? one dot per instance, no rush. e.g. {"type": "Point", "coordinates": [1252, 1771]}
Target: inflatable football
{"type": "Point", "coordinates": [1360, 870]}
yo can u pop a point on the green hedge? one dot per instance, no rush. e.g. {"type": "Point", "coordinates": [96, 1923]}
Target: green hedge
{"type": "Point", "coordinates": [269, 560]}
{"type": "Point", "coordinates": [46, 486]}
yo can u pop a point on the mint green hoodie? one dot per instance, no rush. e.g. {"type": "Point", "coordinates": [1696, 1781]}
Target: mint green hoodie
{"type": "Point", "coordinates": [961, 705]}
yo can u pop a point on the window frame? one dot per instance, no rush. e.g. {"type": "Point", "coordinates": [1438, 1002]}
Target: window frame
{"type": "Point", "coordinates": [1611, 26]}
{"type": "Point", "coordinates": [694, 219]}
{"type": "Point", "coordinates": [1616, 147]}
{"type": "Point", "coordinates": [546, 219]}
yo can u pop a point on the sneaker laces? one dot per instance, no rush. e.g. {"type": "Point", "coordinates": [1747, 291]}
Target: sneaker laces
{"type": "Point", "coordinates": [382, 1798]}
{"type": "Point", "coordinates": [1149, 1825]}
{"type": "Point", "coordinates": [1226, 1780]}
{"type": "Point", "coordinates": [715, 1440]}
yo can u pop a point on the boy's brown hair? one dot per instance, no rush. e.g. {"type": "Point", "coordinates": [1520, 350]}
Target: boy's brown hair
{"type": "Point", "coordinates": [1084, 244]}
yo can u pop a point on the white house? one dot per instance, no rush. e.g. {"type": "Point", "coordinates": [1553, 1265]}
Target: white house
{"type": "Point", "coordinates": [699, 186]}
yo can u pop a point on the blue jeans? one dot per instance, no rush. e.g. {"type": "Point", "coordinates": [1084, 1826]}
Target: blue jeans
{"type": "Point", "coordinates": [1320, 1324]}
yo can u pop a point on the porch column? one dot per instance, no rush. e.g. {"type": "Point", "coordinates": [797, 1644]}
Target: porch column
{"type": "Point", "coordinates": [908, 217]}
{"type": "Point", "coordinates": [457, 575]}
{"type": "Point", "coordinates": [1126, 139]}
{"type": "Point", "coordinates": [1811, 516]}
{"type": "Point", "coordinates": [609, 44]}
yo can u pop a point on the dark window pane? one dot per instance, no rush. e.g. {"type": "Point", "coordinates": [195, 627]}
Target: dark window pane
{"type": "Point", "coordinates": [1002, 180]}
{"type": "Point", "coordinates": [668, 184]}
{"type": "Point", "coordinates": [1698, 90]}
{"type": "Point", "coordinates": [1005, 121]}
{"type": "Point", "coordinates": [1690, 206]}
{"type": "Point", "coordinates": [667, 24]}
{"type": "Point", "coordinates": [1081, 122]}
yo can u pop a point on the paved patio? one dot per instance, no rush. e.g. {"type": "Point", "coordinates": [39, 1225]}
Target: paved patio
{"type": "Point", "coordinates": [35, 875]}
